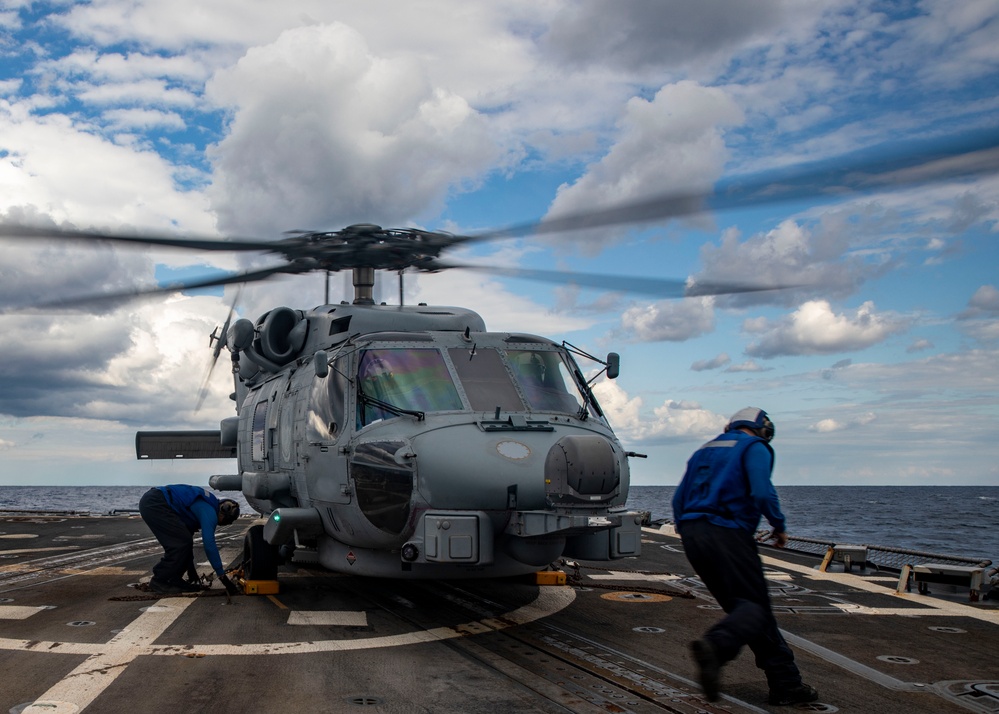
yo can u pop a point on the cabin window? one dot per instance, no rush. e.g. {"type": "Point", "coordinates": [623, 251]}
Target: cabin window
{"type": "Point", "coordinates": [411, 379]}
{"type": "Point", "coordinates": [384, 487]}
{"type": "Point", "coordinates": [259, 442]}
{"type": "Point", "coordinates": [485, 379]}
{"type": "Point", "coordinates": [326, 405]}
{"type": "Point", "coordinates": [545, 380]}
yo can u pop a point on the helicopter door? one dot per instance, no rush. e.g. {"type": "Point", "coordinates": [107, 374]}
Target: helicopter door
{"type": "Point", "coordinates": [286, 432]}
{"type": "Point", "coordinates": [324, 467]}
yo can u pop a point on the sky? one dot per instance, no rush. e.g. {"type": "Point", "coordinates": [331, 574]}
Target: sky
{"type": "Point", "coordinates": [247, 118]}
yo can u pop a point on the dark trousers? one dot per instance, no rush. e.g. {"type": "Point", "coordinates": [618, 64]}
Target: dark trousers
{"type": "Point", "coordinates": [175, 537]}
{"type": "Point", "coordinates": [727, 562]}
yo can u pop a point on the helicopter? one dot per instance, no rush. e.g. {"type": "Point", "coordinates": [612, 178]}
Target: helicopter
{"type": "Point", "coordinates": [409, 441]}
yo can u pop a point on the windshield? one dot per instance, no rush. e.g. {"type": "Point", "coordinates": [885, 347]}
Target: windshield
{"type": "Point", "coordinates": [404, 378]}
{"type": "Point", "coordinates": [545, 380]}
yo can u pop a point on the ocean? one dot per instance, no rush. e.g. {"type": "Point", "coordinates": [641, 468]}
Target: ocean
{"type": "Point", "coordinates": [949, 520]}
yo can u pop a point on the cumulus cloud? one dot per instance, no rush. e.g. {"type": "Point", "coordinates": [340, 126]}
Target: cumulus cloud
{"type": "Point", "coordinates": [639, 34]}
{"type": "Point", "coordinates": [324, 134]}
{"type": "Point", "coordinates": [715, 363]}
{"type": "Point", "coordinates": [829, 425]}
{"type": "Point", "coordinates": [672, 420]}
{"type": "Point", "coordinates": [815, 329]}
{"type": "Point", "coordinates": [920, 345]}
{"type": "Point", "coordinates": [670, 143]}
{"type": "Point", "coordinates": [748, 366]}
{"type": "Point", "coordinates": [668, 321]}
{"type": "Point", "coordinates": [984, 303]}
{"type": "Point", "coordinates": [815, 259]}
{"type": "Point", "coordinates": [980, 320]}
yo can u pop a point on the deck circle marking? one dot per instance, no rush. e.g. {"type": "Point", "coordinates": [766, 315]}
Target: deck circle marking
{"type": "Point", "coordinates": [364, 701]}
{"type": "Point", "coordinates": [949, 630]}
{"type": "Point", "coordinates": [636, 597]}
{"type": "Point", "coordinates": [548, 602]}
{"type": "Point", "coordinates": [898, 659]}
{"type": "Point", "coordinates": [649, 630]}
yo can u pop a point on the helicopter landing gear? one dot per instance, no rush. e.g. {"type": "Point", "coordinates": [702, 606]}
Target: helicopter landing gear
{"type": "Point", "coordinates": [260, 558]}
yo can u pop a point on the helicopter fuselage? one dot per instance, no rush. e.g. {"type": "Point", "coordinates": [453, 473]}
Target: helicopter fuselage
{"type": "Point", "coordinates": [410, 442]}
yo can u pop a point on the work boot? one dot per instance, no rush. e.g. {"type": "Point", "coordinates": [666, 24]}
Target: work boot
{"type": "Point", "coordinates": [164, 588]}
{"type": "Point", "coordinates": [793, 695]}
{"type": "Point", "coordinates": [709, 669]}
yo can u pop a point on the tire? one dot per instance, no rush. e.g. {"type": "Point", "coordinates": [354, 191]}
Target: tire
{"type": "Point", "coordinates": [260, 558]}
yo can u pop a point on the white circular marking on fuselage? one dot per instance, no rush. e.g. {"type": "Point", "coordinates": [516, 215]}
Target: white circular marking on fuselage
{"type": "Point", "coordinates": [513, 450]}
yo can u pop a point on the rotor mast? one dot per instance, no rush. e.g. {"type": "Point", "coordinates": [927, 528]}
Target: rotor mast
{"type": "Point", "coordinates": [364, 283]}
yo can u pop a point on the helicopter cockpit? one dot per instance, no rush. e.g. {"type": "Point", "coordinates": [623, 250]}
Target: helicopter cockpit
{"type": "Point", "coordinates": [394, 380]}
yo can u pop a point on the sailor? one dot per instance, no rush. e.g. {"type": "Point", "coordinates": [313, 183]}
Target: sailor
{"type": "Point", "coordinates": [717, 509]}
{"type": "Point", "coordinates": [174, 514]}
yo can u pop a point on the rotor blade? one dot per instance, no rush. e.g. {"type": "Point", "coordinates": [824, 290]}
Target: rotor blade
{"type": "Point", "coordinates": [658, 287]}
{"type": "Point", "coordinates": [18, 230]}
{"type": "Point", "coordinates": [220, 341]}
{"type": "Point", "coordinates": [880, 168]}
{"type": "Point", "coordinates": [228, 279]}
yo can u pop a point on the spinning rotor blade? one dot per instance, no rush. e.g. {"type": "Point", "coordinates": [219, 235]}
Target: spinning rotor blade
{"type": "Point", "coordinates": [18, 230]}
{"type": "Point", "coordinates": [220, 341]}
{"type": "Point", "coordinates": [248, 277]}
{"type": "Point", "coordinates": [658, 287]}
{"type": "Point", "coordinates": [868, 170]}
{"type": "Point", "coordinates": [372, 247]}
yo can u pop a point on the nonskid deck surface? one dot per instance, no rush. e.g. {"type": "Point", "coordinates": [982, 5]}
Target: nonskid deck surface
{"type": "Point", "coordinates": [75, 636]}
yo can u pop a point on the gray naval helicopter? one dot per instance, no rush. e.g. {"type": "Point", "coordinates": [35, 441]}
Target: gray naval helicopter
{"type": "Point", "coordinates": [410, 441]}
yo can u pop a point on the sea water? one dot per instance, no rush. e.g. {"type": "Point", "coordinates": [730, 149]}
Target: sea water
{"type": "Point", "coordinates": [952, 520]}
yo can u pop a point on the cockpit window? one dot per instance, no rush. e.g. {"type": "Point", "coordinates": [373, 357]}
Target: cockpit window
{"type": "Point", "coordinates": [545, 380]}
{"type": "Point", "coordinates": [404, 378]}
{"type": "Point", "coordinates": [485, 380]}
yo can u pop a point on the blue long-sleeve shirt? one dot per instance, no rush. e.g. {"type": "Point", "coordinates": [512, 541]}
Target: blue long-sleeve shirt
{"type": "Point", "coordinates": [209, 521]}
{"type": "Point", "coordinates": [728, 482]}
{"type": "Point", "coordinates": [198, 508]}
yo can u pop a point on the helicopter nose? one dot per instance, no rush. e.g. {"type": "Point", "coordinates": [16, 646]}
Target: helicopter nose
{"type": "Point", "coordinates": [582, 469]}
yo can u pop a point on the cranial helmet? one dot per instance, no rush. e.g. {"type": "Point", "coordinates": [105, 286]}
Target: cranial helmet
{"type": "Point", "coordinates": [228, 511]}
{"type": "Point", "coordinates": [752, 418]}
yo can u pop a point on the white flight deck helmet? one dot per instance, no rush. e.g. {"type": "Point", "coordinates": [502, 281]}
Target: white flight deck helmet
{"type": "Point", "coordinates": [752, 418]}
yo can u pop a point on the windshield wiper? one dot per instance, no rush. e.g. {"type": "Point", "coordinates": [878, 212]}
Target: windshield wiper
{"type": "Point", "coordinates": [392, 408]}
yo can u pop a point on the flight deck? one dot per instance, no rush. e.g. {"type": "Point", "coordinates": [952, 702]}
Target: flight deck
{"type": "Point", "coordinates": [78, 634]}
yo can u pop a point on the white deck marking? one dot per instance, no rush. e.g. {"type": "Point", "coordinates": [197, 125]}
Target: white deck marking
{"type": "Point", "coordinates": [933, 606]}
{"type": "Point", "coordinates": [18, 612]}
{"type": "Point", "coordinates": [850, 665]}
{"type": "Point", "coordinates": [25, 551]}
{"type": "Point", "coordinates": [106, 661]}
{"type": "Point", "coordinates": [548, 602]}
{"type": "Point", "coordinates": [81, 686]}
{"type": "Point", "coordinates": [329, 617]}
{"type": "Point", "coordinates": [632, 575]}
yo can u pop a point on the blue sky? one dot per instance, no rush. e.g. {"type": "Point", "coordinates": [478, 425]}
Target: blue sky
{"type": "Point", "coordinates": [227, 118]}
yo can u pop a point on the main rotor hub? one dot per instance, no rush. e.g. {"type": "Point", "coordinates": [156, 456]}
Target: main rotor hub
{"type": "Point", "coordinates": [366, 245]}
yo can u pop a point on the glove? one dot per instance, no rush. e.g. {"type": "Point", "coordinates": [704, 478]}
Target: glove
{"type": "Point", "coordinates": [230, 587]}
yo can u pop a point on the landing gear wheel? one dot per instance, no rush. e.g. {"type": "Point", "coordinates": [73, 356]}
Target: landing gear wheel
{"type": "Point", "coordinates": [260, 558]}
